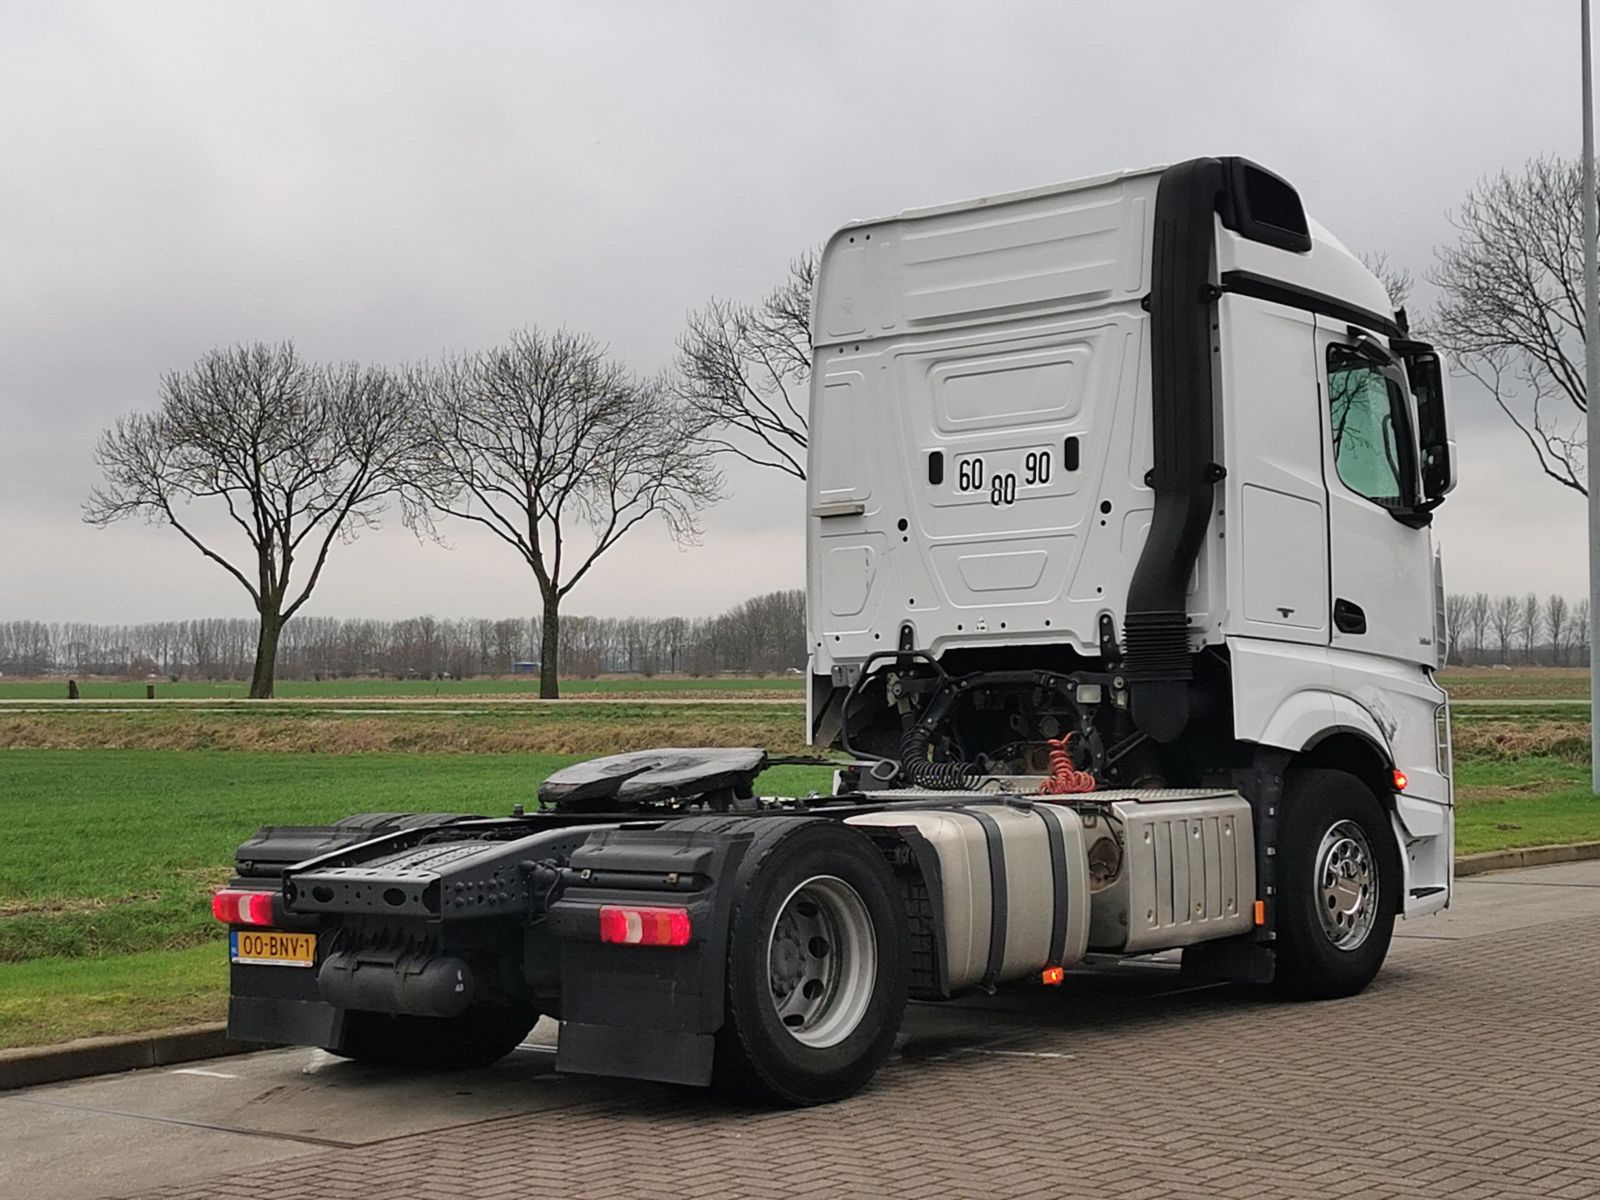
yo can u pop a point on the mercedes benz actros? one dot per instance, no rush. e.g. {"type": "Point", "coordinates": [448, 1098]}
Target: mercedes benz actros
{"type": "Point", "coordinates": [1124, 615]}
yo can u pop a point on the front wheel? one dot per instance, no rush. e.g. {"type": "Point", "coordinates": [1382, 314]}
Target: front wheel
{"type": "Point", "coordinates": [482, 1035]}
{"type": "Point", "coordinates": [816, 968]}
{"type": "Point", "coordinates": [1338, 886]}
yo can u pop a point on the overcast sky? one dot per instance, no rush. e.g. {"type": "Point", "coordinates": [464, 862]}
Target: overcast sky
{"type": "Point", "coordinates": [384, 182]}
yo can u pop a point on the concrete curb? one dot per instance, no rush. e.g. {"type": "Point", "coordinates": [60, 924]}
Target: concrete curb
{"type": "Point", "coordinates": [1527, 856]}
{"type": "Point", "coordinates": [30, 1065]}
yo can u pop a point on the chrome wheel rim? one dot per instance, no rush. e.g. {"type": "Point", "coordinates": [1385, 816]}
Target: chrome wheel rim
{"type": "Point", "coordinates": [822, 961]}
{"type": "Point", "coordinates": [1346, 885]}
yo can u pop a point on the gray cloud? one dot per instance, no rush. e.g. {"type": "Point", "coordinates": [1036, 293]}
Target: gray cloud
{"type": "Point", "coordinates": [387, 181]}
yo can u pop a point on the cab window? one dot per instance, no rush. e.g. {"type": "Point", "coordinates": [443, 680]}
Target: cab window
{"type": "Point", "coordinates": [1367, 409]}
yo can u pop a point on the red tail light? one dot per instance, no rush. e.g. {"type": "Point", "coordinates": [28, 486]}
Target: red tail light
{"type": "Point", "coordinates": [234, 907]}
{"type": "Point", "coordinates": [644, 926]}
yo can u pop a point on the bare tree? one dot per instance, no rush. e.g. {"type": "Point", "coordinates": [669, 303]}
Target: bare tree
{"type": "Point", "coordinates": [1455, 623]}
{"type": "Point", "coordinates": [1555, 621]}
{"type": "Point", "coordinates": [1511, 315]}
{"type": "Point", "coordinates": [746, 368]}
{"type": "Point", "coordinates": [1530, 625]}
{"type": "Point", "coordinates": [1478, 619]}
{"type": "Point", "coordinates": [1396, 280]}
{"type": "Point", "coordinates": [559, 452]}
{"type": "Point", "coordinates": [1578, 628]}
{"type": "Point", "coordinates": [293, 456]}
{"type": "Point", "coordinates": [1503, 615]}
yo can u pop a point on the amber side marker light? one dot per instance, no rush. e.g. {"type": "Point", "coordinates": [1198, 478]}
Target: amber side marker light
{"type": "Point", "coordinates": [1400, 780]}
{"type": "Point", "coordinates": [1261, 912]}
{"type": "Point", "coordinates": [1052, 976]}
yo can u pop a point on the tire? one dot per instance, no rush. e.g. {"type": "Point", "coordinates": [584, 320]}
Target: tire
{"type": "Point", "coordinates": [477, 1038]}
{"type": "Point", "coordinates": [817, 976]}
{"type": "Point", "coordinates": [1338, 886]}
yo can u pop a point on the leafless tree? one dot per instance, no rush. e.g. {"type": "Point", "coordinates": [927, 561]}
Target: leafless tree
{"type": "Point", "coordinates": [1455, 621]}
{"type": "Point", "coordinates": [558, 451]}
{"type": "Point", "coordinates": [1511, 313]}
{"type": "Point", "coordinates": [1503, 615]}
{"type": "Point", "coordinates": [746, 369]}
{"type": "Point", "coordinates": [1530, 625]}
{"type": "Point", "coordinates": [1396, 280]}
{"type": "Point", "coordinates": [1555, 622]}
{"type": "Point", "coordinates": [1578, 632]}
{"type": "Point", "coordinates": [1478, 619]}
{"type": "Point", "coordinates": [291, 455]}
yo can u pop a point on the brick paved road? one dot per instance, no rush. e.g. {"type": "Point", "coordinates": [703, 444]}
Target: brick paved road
{"type": "Point", "coordinates": [1471, 1069]}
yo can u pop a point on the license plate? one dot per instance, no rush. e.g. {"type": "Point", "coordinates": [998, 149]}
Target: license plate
{"type": "Point", "coordinates": [271, 948]}
{"type": "Point", "coordinates": [1000, 477]}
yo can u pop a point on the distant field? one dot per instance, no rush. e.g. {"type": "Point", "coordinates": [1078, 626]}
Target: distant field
{"type": "Point", "coordinates": [571, 727]}
{"type": "Point", "coordinates": [354, 689]}
{"type": "Point", "coordinates": [1516, 683]}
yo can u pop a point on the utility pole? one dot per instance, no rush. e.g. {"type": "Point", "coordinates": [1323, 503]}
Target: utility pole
{"type": "Point", "coordinates": [1591, 375]}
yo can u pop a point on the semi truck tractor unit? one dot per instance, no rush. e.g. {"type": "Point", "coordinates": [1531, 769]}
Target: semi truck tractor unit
{"type": "Point", "coordinates": [1123, 613]}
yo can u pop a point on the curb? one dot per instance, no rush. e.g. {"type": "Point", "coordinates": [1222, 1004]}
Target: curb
{"type": "Point", "coordinates": [30, 1065]}
{"type": "Point", "coordinates": [1527, 856]}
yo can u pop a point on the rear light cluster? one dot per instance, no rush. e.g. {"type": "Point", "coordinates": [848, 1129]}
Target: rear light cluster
{"type": "Point", "coordinates": [624, 926]}
{"type": "Point", "coordinates": [233, 907]}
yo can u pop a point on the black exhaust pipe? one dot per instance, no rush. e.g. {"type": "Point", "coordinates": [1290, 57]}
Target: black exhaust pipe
{"type": "Point", "coordinates": [1262, 207]}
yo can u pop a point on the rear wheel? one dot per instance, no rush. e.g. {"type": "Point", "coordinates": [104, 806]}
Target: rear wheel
{"type": "Point", "coordinates": [1338, 886]}
{"type": "Point", "coordinates": [478, 1037]}
{"type": "Point", "coordinates": [816, 968]}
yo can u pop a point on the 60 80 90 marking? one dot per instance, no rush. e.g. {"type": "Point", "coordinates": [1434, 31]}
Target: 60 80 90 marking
{"type": "Point", "coordinates": [972, 475]}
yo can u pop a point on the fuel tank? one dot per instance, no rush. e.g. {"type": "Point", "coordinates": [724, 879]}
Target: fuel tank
{"type": "Point", "coordinates": [1008, 881]}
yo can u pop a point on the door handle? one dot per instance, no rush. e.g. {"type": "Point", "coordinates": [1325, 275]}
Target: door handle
{"type": "Point", "coordinates": [1348, 617]}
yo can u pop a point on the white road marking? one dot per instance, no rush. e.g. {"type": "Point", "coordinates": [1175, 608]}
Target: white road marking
{"type": "Point", "coordinates": [202, 1071]}
{"type": "Point", "coordinates": [1013, 1053]}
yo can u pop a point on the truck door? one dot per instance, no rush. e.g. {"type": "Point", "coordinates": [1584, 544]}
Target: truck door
{"type": "Point", "coordinates": [1380, 577]}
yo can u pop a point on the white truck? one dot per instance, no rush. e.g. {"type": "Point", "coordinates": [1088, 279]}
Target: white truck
{"type": "Point", "coordinates": [1123, 611]}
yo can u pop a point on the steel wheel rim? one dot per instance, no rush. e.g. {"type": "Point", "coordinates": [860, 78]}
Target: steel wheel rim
{"type": "Point", "coordinates": [1346, 885]}
{"type": "Point", "coordinates": [822, 961]}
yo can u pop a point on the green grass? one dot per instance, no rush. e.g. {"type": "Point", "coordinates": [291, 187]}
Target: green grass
{"type": "Point", "coordinates": [107, 857]}
{"type": "Point", "coordinates": [56, 999]}
{"type": "Point", "coordinates": [1535, 801]}
{"type": "Point", "coordinates": [110, 851]}
{"type": "Point", "coordinates": [56, 689]}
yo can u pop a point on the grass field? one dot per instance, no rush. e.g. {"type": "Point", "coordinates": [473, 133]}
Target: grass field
{"type": "Point", "coordinates": [109, 858]}
{"type": "Point", "coordinates": [1516, 683]}
{"type": "Point", "coordinates": [115, 826]}
{"type": "Point", "coordinates": [571, 727]}
{"type": "Point", "coordinates": [357, 689]}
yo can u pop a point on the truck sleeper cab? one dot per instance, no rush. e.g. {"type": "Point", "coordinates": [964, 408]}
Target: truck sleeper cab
{"type": "Point", "coordinates": [1123, 614]}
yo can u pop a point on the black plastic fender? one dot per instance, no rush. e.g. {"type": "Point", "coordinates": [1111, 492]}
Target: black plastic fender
{"type": "Point", "coordinates": [651, 1012]}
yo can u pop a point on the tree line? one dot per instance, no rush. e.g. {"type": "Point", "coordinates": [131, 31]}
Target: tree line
{"type": "Point", "coordinates": [761, 636]}
{"type": "Point", "coordinates": [1509, 629]}
{"type": "Point", "coordinates": [547, 442]}
{"type": "Point", "coordinates": [558, 450]}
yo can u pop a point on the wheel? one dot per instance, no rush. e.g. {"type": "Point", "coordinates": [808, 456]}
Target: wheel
{"type": "Point", "coordinates": [816, 967]}
{"type": "Point", "coordinates": [1338, 886]}
{"type": "Point", "coordinates": [478, 1037]}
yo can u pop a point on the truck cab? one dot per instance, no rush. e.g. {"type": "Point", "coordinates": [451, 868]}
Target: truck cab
{"type": "Point", "coordinates": [1155, 426]}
